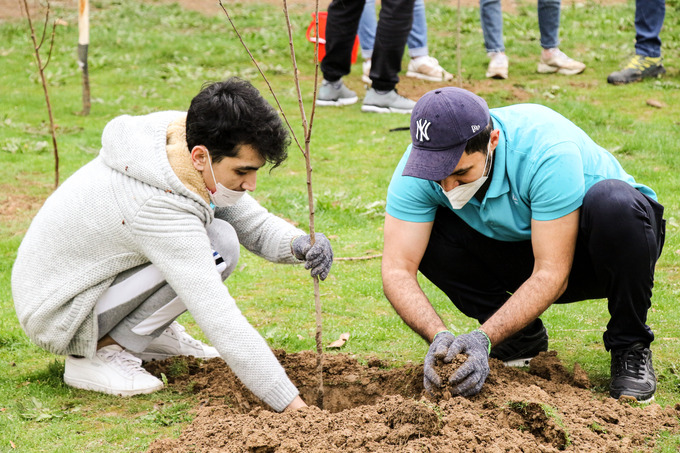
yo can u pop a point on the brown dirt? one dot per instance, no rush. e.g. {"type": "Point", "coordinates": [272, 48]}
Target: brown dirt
{"type": "Point", "coordinates": [375, 408]}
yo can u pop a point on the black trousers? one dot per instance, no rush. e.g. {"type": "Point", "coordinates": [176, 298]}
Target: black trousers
{"type": "Point", "coordinates": [394, 26]}
{"type": "Point", "coordinates": [621, 235]}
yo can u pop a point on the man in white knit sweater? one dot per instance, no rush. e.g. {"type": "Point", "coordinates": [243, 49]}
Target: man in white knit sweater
{"type": "Point", "coordinates": [151, 228]}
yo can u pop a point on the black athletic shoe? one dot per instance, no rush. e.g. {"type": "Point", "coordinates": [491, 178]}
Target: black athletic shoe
{"type": "Point", "coordinates": [633, 373]}
{"type": "Point", "coordinates": [639, 67]}
{"type": "Point", "coordinates": [519, 349]}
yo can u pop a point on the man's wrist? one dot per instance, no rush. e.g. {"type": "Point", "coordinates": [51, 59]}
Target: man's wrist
{"type": "Point", "coordinates": [488, 340]}
{"type": "Point", "coordinates": [441, 331]}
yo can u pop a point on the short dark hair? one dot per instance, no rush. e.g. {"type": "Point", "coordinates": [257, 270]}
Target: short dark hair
{"type": "Point", "coordinates": [480, 141]}
{"type": "Point", "coordinates": [226, 115]}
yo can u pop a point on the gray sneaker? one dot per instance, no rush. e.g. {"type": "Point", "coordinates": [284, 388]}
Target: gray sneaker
{"type": "Point", "coordinates": [330, 95]}
{"type": "Point", "coordinates": [390, 102]}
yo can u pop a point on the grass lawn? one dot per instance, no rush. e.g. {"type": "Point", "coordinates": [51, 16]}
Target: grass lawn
{"type": "Point", "coordinates": [150, 56]}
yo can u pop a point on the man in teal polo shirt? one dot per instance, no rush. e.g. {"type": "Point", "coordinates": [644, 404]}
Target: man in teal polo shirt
{"type": "Point", "coordinates": [508, 211]}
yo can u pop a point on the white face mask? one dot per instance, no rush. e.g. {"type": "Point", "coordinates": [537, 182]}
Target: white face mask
{"type": "Point", "coordinates": [223, 197]}
{"type": "Point", "coordinates": [460, 195]}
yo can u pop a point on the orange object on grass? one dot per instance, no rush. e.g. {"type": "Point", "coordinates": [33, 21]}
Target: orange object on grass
{"type": "Point", "coordinates": [311, 36]}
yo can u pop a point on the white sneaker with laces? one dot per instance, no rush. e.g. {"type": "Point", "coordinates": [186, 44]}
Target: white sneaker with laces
{"type": "Point", "coordinates": [112, 370]}
{"type": "Point", "coordinates": [498, 66]}
{"type": "Point", "coordinates": [427, 68]}
{"type": "Point", "coordinates": [176, 341]}
{"type": "Point", "coordinates": [554, 60]}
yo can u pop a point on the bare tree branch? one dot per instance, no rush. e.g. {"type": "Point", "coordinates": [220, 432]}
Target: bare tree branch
{"type": "Point", "coordinates": [41, 71]}
{"type": "Point", "coordinates": [307, 128]}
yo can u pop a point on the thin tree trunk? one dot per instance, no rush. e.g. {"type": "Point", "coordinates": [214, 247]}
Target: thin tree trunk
{"type": "Point", "coordinates": [83, 44]}
{"type": "Point", "coordinates": [41, 71]}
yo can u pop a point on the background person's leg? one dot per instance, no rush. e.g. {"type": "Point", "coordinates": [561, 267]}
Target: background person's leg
{"type": "Point", "coordinates": [342, 24]}
{"type": "Point", "coordinates": [649, 17]}
{"type": "Point", "coordinates": [394, 26]}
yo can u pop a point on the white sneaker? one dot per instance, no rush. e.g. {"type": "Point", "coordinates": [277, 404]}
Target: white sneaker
{"type": "Point", "coordinates": [175, 341]}
{"type": "Point", "coordinates": [112, 370]}
{"type": "Point", "coordinates": [427, 68]}
{"type": "Point", "coordinates": [560, 63]}
{"type": "Point", "coordinates": [498, 66]}
{"type": "Point", "coordinates": [366, 67]}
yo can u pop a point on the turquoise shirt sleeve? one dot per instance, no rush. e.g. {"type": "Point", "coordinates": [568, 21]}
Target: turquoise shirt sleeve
{"type": "Point", "coordinates": [412, 199]}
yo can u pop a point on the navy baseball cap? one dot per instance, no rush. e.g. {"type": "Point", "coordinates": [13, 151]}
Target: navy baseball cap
{"type": "Point", "coordinates": [442, 122]}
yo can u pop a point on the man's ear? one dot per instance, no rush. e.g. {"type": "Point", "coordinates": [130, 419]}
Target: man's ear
{"type": "Point", "coordinates": [493, 140]}
{"type": "Point", "coordinates": [199, 157]}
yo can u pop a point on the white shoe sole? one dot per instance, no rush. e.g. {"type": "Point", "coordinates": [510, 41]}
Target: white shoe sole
{"type": "Point", "coordinates": [498, 74]}
{"type": "Point", "coordinates": [418, 75]}
{"type": "Point", "coordinates": [547, 69]}
{"type": "Point", "coordinates": [338, 103]}
{"type": "Point", "coordinates": [376, 109]}
{"type": "Point", "coordinates": [95, 387]}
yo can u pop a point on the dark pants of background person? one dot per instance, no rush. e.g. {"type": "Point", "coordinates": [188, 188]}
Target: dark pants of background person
{"type": "Point", "coordinates": [342, 23]}
{"type": "Point", "coordinates": [649, 16]}
{"type": "Point", "coordinates": [621, 235]}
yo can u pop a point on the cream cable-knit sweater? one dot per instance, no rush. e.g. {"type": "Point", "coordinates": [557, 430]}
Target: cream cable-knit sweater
{"type": "Point", "coordinates": [142, 201]}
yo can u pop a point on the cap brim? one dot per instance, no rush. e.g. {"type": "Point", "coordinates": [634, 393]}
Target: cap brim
{"type": "Point", "coordinates": [433, 165]}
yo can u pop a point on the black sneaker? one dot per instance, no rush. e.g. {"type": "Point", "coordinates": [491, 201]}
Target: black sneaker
{"type": "Point", "coordinates": [639, 67]}
{"type": "Point", "coordinates": [519, 349]}
{"type": "Point", "coordinates": [633, 373]}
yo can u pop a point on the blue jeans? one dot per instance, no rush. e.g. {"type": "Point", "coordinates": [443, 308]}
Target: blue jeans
{"type": "Point", "coordinates": [417, 38]}
{"type": "Point", "coordinates": [548, 23]}
{"type": "Point", "coordinates": [649, 16]}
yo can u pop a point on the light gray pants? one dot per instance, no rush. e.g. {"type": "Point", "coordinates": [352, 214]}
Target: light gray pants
{"type": "Point", "coordinates": [139, 305]}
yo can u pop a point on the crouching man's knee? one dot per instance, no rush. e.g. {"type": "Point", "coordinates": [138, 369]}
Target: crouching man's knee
{"type": "Point", "coordinates": [224, 241]}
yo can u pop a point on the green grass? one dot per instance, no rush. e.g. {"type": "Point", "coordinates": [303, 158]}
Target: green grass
{"type": "Point", "coordinates": [146, 57]}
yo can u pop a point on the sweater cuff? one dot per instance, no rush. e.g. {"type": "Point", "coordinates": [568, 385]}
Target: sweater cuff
{"type": "Point", "coordinates": [281, 395]}
{"type": "Point", "coordinates": [285, 251]}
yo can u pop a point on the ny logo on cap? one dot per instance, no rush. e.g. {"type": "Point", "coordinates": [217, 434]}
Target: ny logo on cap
{"type": "Point", "coordinates": [421, 131]}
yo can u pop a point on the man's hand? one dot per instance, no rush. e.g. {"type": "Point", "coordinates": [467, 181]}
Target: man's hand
{"type": "Point", "coordinates": [317, 257]}
{"type": "Point", "coordinates": [438, 350]}
{"type": "Point", "coordinates": [469, 378]}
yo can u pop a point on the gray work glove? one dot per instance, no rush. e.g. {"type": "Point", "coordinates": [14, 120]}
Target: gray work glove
{"type": "Point", "coordinates": [438, 350]}
{"type": "Point", "coordinates": [317, 257]}
{"type": "Point", "coordinates": [469, 378]}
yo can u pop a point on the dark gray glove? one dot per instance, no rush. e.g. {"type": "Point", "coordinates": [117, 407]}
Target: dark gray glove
{"type": "Point", "coordinates": [438, 350]}
{"type": "Point", "coordinates": [469, 378]}
{"type": "Point", "coordinates": [317, 257]}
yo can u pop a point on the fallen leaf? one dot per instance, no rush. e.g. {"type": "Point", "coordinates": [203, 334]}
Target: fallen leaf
{"type": "Point", "coordinates": [655, 103]}
{"type": "Point", "coordinates": [12, 445]}
{"type": "Point", "coordinates": [340, 342]}
{"type": "Point", "coordinates": [300, 337]}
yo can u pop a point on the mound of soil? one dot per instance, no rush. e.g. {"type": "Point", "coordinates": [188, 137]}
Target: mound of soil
{"type": "Point", "coordinates": [375, 408]}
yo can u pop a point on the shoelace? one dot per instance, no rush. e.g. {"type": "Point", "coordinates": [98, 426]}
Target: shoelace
{"type": "Point", "coordinates": [128, 363]}
{"type": "Point", "coordinates": [631, 363]}
{"type": "Point", "coordinates": [557, 53]}
{"type": "Point", "coordinates": [638, 62]}
{"type": "Point", "coordinates": [179, 331]}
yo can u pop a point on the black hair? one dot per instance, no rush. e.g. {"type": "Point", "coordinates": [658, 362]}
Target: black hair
{"type": "Point", "coordinates": [480, 141]}
{"type": "Point", "coordinates": [226, 115]}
